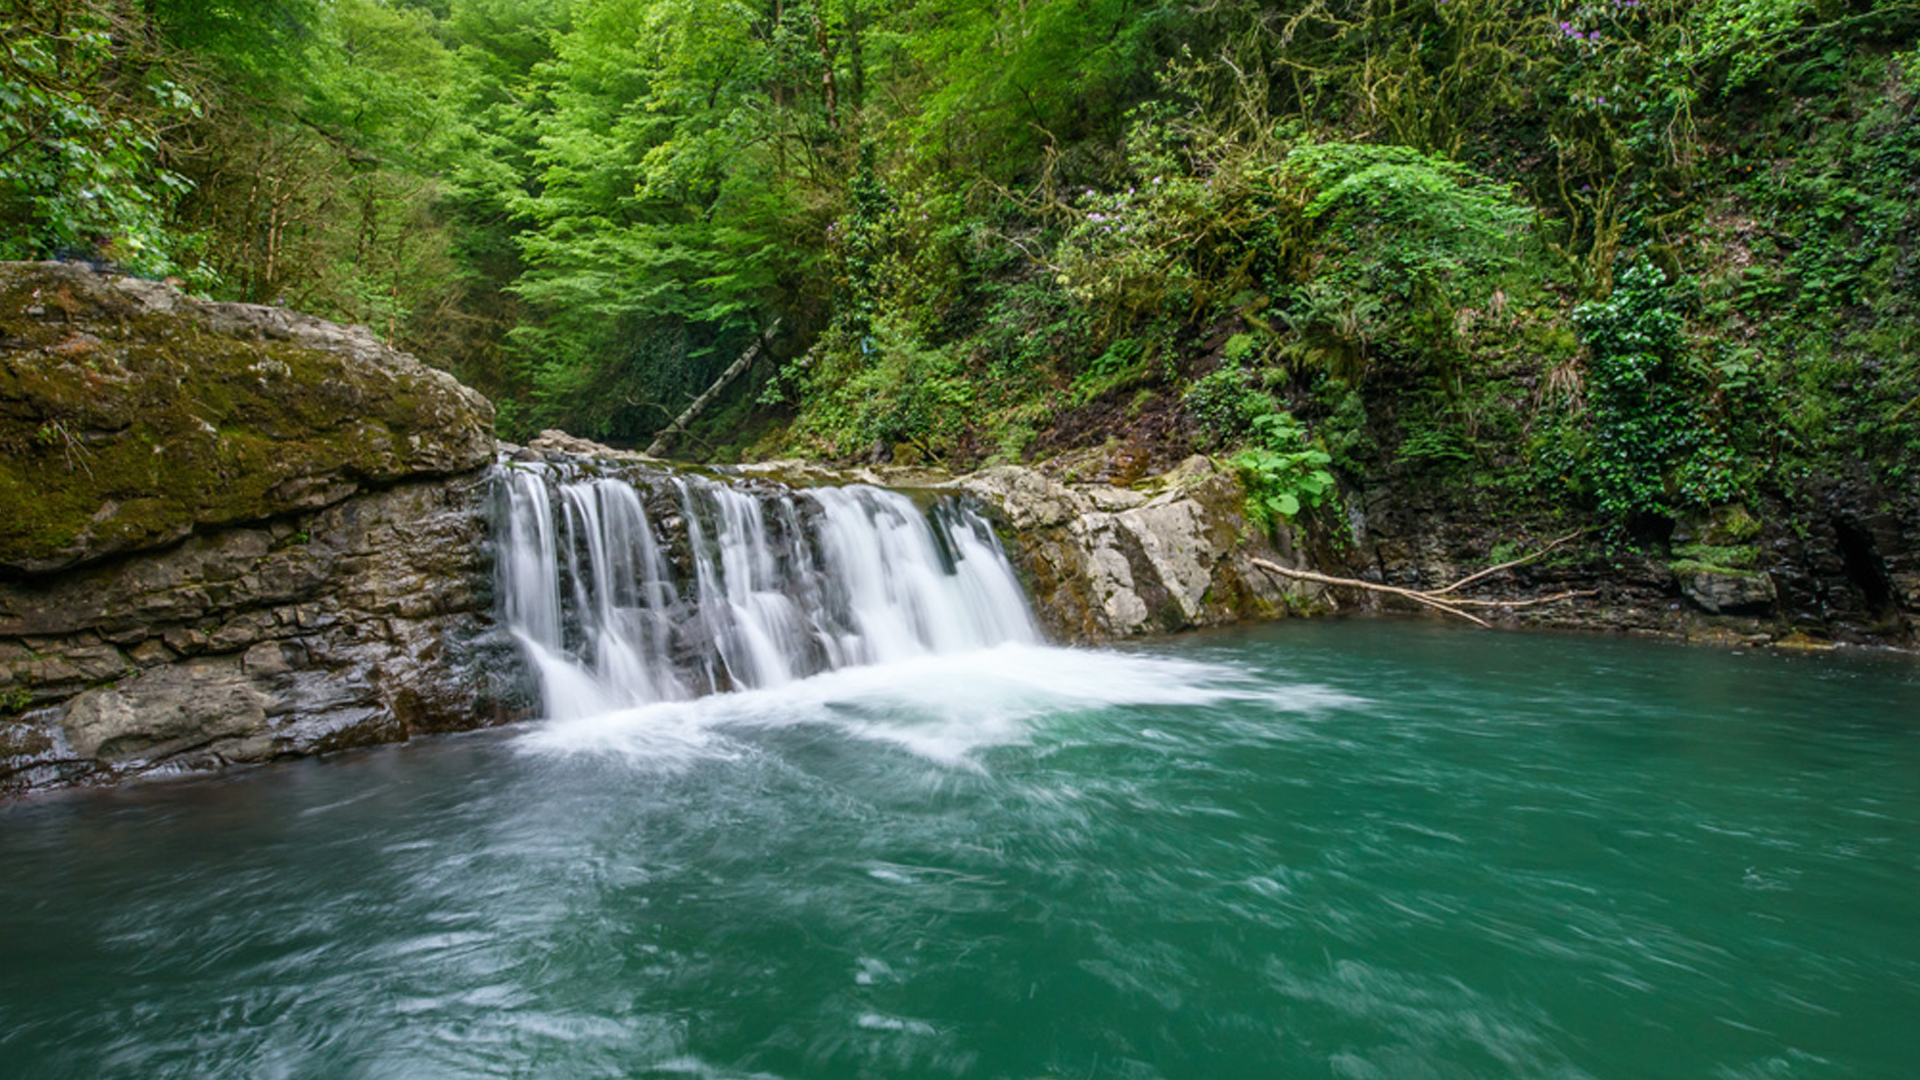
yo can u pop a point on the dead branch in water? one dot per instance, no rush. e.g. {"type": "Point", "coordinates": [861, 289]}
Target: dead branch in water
{"type": "Point", "coordinates": [1356, 583]}
{"type": "Point", "coordinates": [1438, 599]}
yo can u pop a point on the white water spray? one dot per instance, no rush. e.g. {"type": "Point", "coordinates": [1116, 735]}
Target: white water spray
{"type": "Point", "coordinates": [736, 589]}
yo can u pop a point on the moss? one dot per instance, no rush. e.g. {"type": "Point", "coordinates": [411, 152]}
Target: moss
{"type": "Point", "coordinates": [126, 429]}
{"type": "Point", "coordinates": [1719, 557]}
{"type": "Point", "coordinates": [1692, 566]}
{"type": "Point", "coordinates": [1736, 526]}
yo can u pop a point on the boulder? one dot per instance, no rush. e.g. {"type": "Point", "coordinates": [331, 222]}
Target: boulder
{"type": "Point", "coordinates": [1172, 552]}
{"type": "Point", "coordinates": [1722, 591]}
{"type": "Point", "coordinates": [132, 415]}
{"type": "Point", "coordinates": [230, 533]}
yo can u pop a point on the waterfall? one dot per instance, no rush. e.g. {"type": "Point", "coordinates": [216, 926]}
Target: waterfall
{"type": "Point", "coordinates": [626, 592]}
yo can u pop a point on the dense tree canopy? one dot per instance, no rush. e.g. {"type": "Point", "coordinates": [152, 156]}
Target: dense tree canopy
{"type": "Point", "coordinates": [1402, 221]}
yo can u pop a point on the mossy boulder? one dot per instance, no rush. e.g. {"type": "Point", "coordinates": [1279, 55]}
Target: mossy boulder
{"type": "Point", "coordinates": [1723, 590]}
{"type": "Point", "coordinates": [132, 415]}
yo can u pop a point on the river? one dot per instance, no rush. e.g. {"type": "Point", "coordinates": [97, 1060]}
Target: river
{"type": "Point", "coordinates": [1351, 849]}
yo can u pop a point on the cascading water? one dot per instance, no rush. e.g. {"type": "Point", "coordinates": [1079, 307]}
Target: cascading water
{"type": "Point", "coordinates": [723, 588]}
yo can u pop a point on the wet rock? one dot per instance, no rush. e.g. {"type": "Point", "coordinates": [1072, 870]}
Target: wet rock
{"type": "Point", "coordinates": [150, 652]}
{"type": "Point", "coordinates": [371, 621]}
{"type": "Point", "coordinates": [1172, 553]}
{"type": "Point", "coordinates": [165, 711]}
{"type": "Point", "coordinates": [1722, 591]}
{"type": "Point", "coordinates": [232, 532]}
{"type": "Point", "coordinates": [1841, 553]}
{"type": "Point", "coordinates": [270, 658]}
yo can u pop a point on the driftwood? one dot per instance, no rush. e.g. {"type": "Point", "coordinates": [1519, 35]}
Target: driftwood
{"type": "Point", "coordinates": [666, 436]}
{"type": "Point", "coordinates": [1440, 599]}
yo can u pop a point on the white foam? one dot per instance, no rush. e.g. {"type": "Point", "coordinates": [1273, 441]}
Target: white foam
{"type": "Point", "coordinates": [944, 708]}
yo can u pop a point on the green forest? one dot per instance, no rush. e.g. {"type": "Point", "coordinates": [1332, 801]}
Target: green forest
{"type": "Point", "coordinates": [1623, 258]}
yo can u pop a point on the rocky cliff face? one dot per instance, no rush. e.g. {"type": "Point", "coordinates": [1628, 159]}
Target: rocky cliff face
{"type": "Point", "coordinates": [227, 533]}
{"type": "Point", "coordinates": [1172, 552]}
{"type": "Point", "coordinates": [1839, 565]}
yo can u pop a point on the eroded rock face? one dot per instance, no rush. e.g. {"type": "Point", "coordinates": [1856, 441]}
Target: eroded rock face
{"type": "Point", "coordinates": [131, 415]}
{"type": "Point", "coordinates": [1722, 591]}
{"type": "Point", "coordinates": [366, 622]}
{"type": "Point", "coordinates": [229, 533]}
{"type": "Point", "coordinates": [1171, 553]}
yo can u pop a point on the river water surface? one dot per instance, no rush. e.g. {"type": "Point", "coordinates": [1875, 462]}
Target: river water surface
{"type": "Point", "coordinates": [1331, 849]}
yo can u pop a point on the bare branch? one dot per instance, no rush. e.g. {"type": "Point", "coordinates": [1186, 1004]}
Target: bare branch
{"type": "Point", "coordinates": [1491, 570]}
{"type": "Point", "coordinates": [1356, 583]}
{"type": "Point", "coordinates": [1438, 599]}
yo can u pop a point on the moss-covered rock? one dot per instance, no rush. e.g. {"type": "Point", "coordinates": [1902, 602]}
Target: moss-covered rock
{"type": "Point", "coordinates": [1171, 553]}
{"type": "Point", "coordinates": [131, 415]}
{"type": "Point", "coordinates": [1726, 591]}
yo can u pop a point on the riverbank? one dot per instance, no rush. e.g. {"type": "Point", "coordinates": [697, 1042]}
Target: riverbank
{"type": "Point", "coordinates": [233, 534]}
{"type": "Point", "coordinates": [1082, 525]}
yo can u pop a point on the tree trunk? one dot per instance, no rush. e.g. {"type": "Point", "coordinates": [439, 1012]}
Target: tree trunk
{"type": "Point", "coordinates": [661, 441]}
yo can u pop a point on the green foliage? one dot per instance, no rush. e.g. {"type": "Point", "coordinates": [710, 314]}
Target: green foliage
{"type": "Point", "coordinates": [1740, 39]}
{"type": "Point", "coordinates": [83, 105]}
{"type": "Point", "coordinates": [15, 700]}
{"type": "Point", "coordinates": [1227, 402]}
{"type": "Point", "coordinates": [1435, 445]}
{"type": "Point", "coordinates": [998, 84]}
{"type": "Point", "coordinates": [1282, 471]}
{"type": "Point", "coordinates": [1656, 447]}
{"type": "Point", "coordinates": [988, 227]}
{"type": "Point", "coordinates": [1400, 241]}
{"type": "Point", "coordinates": [886, 389]}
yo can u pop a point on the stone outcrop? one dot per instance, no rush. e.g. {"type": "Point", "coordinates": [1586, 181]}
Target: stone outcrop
{"type": "Point", "coordinates": [1845, 556]}
{"type": "Point", "coordinates": [1719, 590]}
{"type": "Point", "coordinates": [228, 533]}
{"type": "Point", "coordinates": [131, 415]}
{"type": "Point", "coordinates": [1172, 552]}
{"type": "Point", "coordinates": [1100, 561]}
{"type": "Point", "coordinates": [563, 445]}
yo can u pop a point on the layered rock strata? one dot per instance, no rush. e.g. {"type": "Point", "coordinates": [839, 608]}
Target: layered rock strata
{"type": "Point", "coordinates": [227, 533]}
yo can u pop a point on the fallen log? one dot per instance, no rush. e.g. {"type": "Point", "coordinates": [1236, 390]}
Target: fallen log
{"type": "Point", "coordinates": [1440, 599]}
{"type": "Point", "coordinates": [665, 438]}
{"type": "Point", "coordinates": [1356, 583]}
